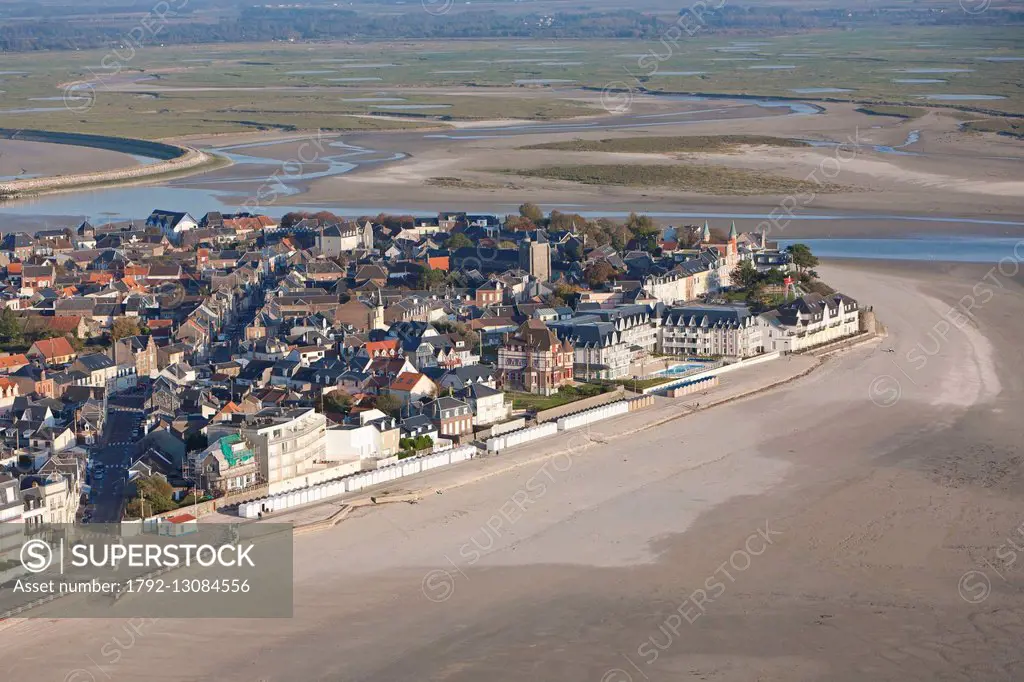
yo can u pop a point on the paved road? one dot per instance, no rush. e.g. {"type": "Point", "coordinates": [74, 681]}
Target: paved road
{"type": "Point", "coordinates": [117, 447]}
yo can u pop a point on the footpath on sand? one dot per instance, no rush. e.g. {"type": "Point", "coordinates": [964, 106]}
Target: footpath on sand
{"type": "Point", "coordinates": [735, 386]}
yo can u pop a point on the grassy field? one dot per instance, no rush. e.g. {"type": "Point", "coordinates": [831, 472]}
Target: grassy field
{"type": "Point", "coordinates": [568, 394]}
{"type": "Point", "coordinates": [158, 92]}
{"type": "Point", "coordinates": [1002, 126]}
{"type": "Point", "coordinates": [893, 110]}
{"type": "Point", "coordinates": [698, 179]}
{"type": "Point", "coordinates": [448, 182]}
{"type": "Point", "coordinates": [661, 145]}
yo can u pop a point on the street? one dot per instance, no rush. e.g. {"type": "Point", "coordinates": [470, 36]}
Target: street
{"type": "Point", "coordinates": [119, 444]}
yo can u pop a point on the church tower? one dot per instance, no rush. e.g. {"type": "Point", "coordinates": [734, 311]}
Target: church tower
{"type": "Point", "coordinates": [376, 315]}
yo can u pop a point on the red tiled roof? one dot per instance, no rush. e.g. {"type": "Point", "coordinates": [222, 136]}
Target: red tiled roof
{"type": "Point", "coordinates": [406, 381]}
{"type": "Point", "coordinates": [54, 348]}
{"type": "Point", "coordinates": [389, 347]}
{"type": "Point", "coordinates": [64, 324]}
{"type": "Point", "coordinates": [9, 361]}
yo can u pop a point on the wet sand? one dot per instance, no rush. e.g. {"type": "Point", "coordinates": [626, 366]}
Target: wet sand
{"type": "Point", "coordinates": [880, 482]}
{"type": "Point", "coordinates": [43, 158]}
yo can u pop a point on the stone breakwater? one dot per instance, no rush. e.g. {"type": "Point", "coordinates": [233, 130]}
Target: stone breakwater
{"type": "Point", "coordinates": [191, 158]}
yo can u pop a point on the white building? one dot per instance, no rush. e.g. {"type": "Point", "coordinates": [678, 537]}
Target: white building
{"type": "Point", "coordinates": [376, 435]}
{"type": "Point", "coordinates": [606, 341]}
{"type": "Point", "coordinates": [703, 331]}
{"type": "Point", "coordinates": [811, 320]}
{"type": "Point", "coordinates": [288, 442]}
{"type": "Point", "coordinates": [52, 498]}
{"type": "Point", "coordinates": [338, 239]}
{"type": "Point", "coordinates": [488, 404]}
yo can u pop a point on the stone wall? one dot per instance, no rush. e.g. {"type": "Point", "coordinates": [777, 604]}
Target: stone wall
{"type": "Point", "coordinates": [578, 406]}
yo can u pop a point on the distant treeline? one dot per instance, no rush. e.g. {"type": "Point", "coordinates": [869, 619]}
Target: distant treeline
{"type": "Point", "coordinates": [256, 24]}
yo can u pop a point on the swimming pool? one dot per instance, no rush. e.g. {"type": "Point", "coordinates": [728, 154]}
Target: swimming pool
{"type": "Point", "coordinates": [676, 370]}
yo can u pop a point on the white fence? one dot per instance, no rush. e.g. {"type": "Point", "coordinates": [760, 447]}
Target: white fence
{"type": "Point", "coordinates": [405, 467]}
{"type": "Point", "coordinates": [590, 416]}
{"type": "Point", "coordinates": [523, 436]}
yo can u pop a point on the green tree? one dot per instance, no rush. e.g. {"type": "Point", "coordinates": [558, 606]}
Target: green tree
{"type": "Point", "coordinates": [745, 275]}
{"type": "Point", "coordinates": [430, 278]}
{"type": "Point", "coordinates": [802, 257]}
{"type": "Point", "coordinates": [759, 298]}
{"type": "Point", "coordinates": [532, 212]}
{"type": "Point", "coordinates": [10, 327]}
{"type": "Point", "coordinates": [458, 241]}
{"type": "Point", "coordinates": [153, 495]}
{"type": "Point", "coordinates": [389, 404]}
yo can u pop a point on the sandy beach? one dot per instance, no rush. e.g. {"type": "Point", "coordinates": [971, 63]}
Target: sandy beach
{"type": "Point", "coordinates": [848, 526]}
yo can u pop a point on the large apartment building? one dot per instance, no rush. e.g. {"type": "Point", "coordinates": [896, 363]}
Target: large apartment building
{"type": "Point", "coordinates": [287, 442]}
{"type": "Point", "coordinates": [811, 320]}
{"type": "Point", "coordinates": [703, 331]}
{"type": "Point", "coordinates": [607, 341]}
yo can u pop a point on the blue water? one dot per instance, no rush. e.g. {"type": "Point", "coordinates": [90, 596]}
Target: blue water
{"type": "Point", "coordinates": [542, 81]}
{"type": "Point", "coordinates": [678, 369]}
{"type": "Point", "coordinates": [929, 70]}
{"type": "Point", "coordinates": [416, 106]}
{"type": "Point", "coordinates": [818, 91]}
{"type": "Point", "coordinates": [962, 98]}
{"type": "Point", "coordinates": [934, 248]}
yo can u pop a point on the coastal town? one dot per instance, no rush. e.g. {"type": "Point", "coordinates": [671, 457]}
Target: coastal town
{"type": "Point", "coordinates": [179, 366]}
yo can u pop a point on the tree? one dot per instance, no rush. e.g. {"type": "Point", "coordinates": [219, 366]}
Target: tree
{"type": "Point", "coordinates": [389, 404]}
{"type": "Point", "coordinates": [458, 241]}
{"type": "Point", "coordinates": [337, 401]}
{"type": "Point", "coordinates": [10, 327]}
{"type": "Point", "coordinates": [125, 326]}
{"type": "Point", "coordinates": [745, 275]}
{"type": "Point", "coordinates": [802, 257]}
{"type": "Point", "coordinates": [598, 273]}
{"type": "Point", "coordinates": [759, 298]}
{"type": "Point", "coordinates": [460, 330]}
{"type": "Point", "coordinates": [154, 495]}
{"type": "Point", "coordinates": [430, 278]}
{"type": "Point", "coordinates": [517, 223]}
{"type": "Point", "coordinates": [532, 212]}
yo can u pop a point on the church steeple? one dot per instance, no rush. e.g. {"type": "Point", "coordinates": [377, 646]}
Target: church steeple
{"type": "Point", "coordinates": [706, 235]}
